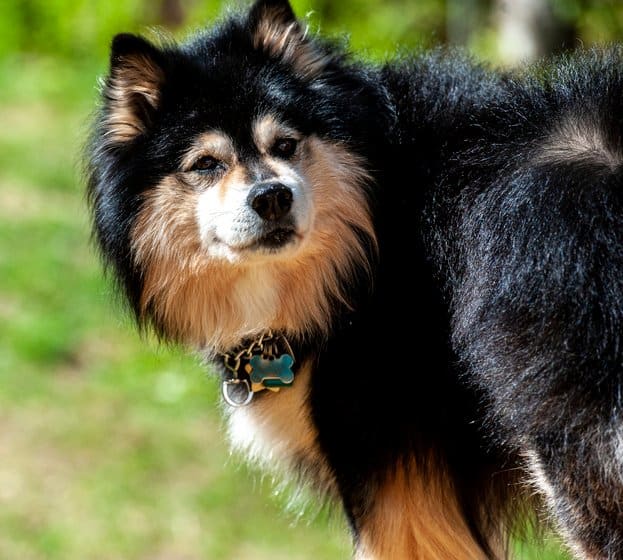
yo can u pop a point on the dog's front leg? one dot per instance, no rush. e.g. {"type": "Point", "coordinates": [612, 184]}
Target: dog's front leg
{"type": "Point", "coordinates": [410, 515]}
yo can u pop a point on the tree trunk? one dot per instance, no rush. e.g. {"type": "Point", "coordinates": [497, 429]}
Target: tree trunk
{"type": "Point", "coordinates": [171, 13]}
{"type": "Point", "coordinates": [529, 29]}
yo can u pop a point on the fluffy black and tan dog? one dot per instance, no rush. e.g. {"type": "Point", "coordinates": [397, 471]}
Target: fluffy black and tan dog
{"type": "Point", "coordinates": [411, 273]}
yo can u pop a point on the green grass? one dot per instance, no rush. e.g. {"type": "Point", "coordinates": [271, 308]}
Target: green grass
{"type": "Point", "coordinates": [110, 447]}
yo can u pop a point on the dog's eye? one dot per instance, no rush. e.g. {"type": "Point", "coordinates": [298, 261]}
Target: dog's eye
{"type": "Point", "coordinates": [207, 164]}
{"type": "Point", "coordinates": [284, 148]}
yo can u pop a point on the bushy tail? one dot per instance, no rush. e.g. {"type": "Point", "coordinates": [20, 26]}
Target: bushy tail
{"type": "Point", "coordinates": [538, 317]}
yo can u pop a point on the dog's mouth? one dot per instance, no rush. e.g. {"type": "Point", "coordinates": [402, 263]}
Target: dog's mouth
{"type": "Point", "coordinates": [272, 241]}
{"type": "Point", "coordinates": [277, 238]}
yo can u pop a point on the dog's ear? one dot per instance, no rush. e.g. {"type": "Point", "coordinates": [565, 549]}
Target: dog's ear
{"type": "Point", "coordinates": [132, 91]}
{"type": "Point", "coordinates": [275, 30]}
{"type": "Point", "coordinates": [275, 9]}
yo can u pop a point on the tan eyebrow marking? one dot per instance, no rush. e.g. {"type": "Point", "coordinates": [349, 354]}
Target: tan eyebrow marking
{"type": "Point", "coordinates": [267, 129]}
{"type": "Point", "coordinates": [215, 144]}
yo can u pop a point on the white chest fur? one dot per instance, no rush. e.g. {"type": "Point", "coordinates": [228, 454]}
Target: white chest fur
{"type": "Point", "coordinates": [277, 432]}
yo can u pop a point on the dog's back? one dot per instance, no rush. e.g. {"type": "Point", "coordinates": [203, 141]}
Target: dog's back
{"type": "Point", "coordinates": [537, 286]}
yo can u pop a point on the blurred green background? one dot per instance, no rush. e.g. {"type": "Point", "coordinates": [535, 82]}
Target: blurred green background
{"type": "Point", "coordinates": [111, 447]}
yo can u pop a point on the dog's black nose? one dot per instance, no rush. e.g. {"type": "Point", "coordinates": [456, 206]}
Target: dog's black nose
{"type": "Point", "coordinates": [271, 201]}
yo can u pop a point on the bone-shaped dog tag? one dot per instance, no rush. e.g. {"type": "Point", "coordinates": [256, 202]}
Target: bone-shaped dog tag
{"type": "Point", "coordinates": [271, 371]}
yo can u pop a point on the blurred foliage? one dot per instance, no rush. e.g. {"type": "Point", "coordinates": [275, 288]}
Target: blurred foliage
{"type": "Point", "coordinates": [82, 29]}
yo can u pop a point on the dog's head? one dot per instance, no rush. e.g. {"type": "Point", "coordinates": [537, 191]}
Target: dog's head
{"type": "Point", "coordinates": [229, 180]}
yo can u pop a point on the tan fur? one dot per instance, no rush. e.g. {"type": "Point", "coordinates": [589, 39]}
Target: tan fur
{"type": "Point", "coordinates": [236, 176]}
{"type": "Point", "coordinates": [416, 517]}
{"type": "Point", "coordinates": [166, 231]}
{"type": "Point", "coordinates": [277, 431]}
{"type": "Point", "coordinates": [213, 304]}
{"type": "Point", "coordinates": [136, 75]}
{"type": "Point", "coordinates": [286, 39]}
{"type": "Point", "coordinates": [577, 140]}
{"type": "Point", "coordinates": [192, 297]}
{"type": "Point", "coordinates": [267, 130]}
{"type": "Point", "coordinates": [215, 144]}
{"type": "Point", "coordinates": [309, 281]}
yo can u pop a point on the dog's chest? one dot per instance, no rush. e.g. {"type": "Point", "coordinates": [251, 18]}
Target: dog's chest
{"type": "Point", "coordinates": [277, 431]}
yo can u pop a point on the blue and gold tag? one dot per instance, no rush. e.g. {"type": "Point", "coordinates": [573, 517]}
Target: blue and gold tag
{"type": "Point", "coordinates": [266, 363]}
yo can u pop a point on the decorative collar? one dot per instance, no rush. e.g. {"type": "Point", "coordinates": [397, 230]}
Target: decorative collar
{"type": "Point", "coordinates": [261, 363]}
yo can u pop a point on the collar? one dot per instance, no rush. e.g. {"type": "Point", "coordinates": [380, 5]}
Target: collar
{"type": "Point", "coordinates": [264, 362]}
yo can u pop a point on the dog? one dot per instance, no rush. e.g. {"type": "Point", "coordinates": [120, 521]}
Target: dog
{"type": "Point", "coordinates": [408, 275]}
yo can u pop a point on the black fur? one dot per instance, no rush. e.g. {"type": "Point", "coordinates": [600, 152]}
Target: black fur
{"type": "Point", "coordinates": [493, 328]}
{"type": "Point", "coordinates": [535, 262]}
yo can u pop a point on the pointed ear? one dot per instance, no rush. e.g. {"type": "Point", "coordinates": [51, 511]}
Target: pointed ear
{"type": "Point", "coordinates": [275, 9]}
{"type": "Point", "coordinates": [132, 91]}
{"type": "Point", "coordinates": [275, 30]}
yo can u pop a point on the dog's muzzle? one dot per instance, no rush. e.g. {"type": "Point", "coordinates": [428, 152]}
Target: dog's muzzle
{"type": "Point", "coordinates": [272, 202]}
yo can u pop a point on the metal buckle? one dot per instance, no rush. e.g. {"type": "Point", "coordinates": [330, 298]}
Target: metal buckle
{"type": "Point", "coordinates": [228, 398]}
